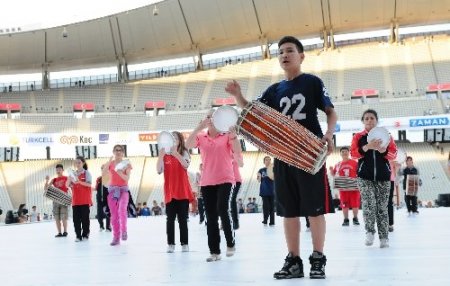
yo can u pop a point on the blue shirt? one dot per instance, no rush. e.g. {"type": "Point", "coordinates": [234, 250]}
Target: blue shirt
{"type": "Point", "coordinates": [266, 187]}
{"type": "Point", "coordinates": [299, 99]}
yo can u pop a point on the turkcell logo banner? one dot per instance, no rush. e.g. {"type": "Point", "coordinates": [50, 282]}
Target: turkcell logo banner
{"type": "Point", "coordinates": [43, 139]}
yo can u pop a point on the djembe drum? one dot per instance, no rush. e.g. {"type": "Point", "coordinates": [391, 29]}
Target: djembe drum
{"type": "Point", "coordinates": [412, 185]}
{"type": "Point", "coordinates": [58, 196]}
{"type": "Point", "coordinates": [282, 137]}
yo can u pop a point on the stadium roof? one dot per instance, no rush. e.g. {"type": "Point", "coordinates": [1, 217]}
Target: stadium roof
{"type": "Point", "coordinates": [188, 27]}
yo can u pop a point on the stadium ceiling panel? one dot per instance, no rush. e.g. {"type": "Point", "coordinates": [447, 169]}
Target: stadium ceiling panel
{"type": "Point", "coordinates": [188, 27]}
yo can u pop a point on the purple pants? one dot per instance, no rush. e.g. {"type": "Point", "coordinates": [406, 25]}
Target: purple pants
{"type": "Point", "coordinates": [118, 208]}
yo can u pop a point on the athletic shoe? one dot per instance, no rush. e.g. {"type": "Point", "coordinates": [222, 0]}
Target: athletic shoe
{"type": "Point", "coordinates": [213, 257]}
{"type": "Point", "coordinates": [170, 248]}
{"type": "Point", "coordinates": [264, 223]}
{"type": "Point", "coordinates": [102, 229]}
{"type": "Point", "coordinates": [346, 222]}
{"type": "Point", "coordinates": [108, 230]}
{"type": "Point", "coordinates": [184, 248]}
{"type": "Point", "coordinates": [85, 237]}
{"type": "Point", "coordinates": [416, 212]}
{"type": "Point", "coordinates": [230, 251]}
{"type": "Point", "coordinates": [318, 262]}
{"type": "Point", "coordinates": [271, 224]}
{"type": "Point", "coordinates": [391, 228]}
{"type": "Point", "coordinates": [355, 221]}
{"type": "Point", "coordinates": [235, 225]}
{"type": "Point", "coordinates": [78, 239]}
{"type": "Point", "coordinates": [59, 235]}
{"type": "Point", "coordinates": [369, 238]}
{"type": "Point", "coordinates": [124, 235]}
{"type": "Point", "coordinates": [384, 243]}
{"type": "Point", "coordinates": [292, 268]}
{"type": "Point", "coordinates": [64, 234]}
{"type": "Point", "coordinates": [115, 241]}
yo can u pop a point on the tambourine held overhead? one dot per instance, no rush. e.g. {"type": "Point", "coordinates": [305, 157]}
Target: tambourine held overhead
{"type": "Point", "coordinates": [166, 141]}
{"type": "Point", "coordinates": [224, 118]}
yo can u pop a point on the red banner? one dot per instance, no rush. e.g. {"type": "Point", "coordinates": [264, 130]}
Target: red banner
{"type": "Point", "coordinates": [89, 106]}
{"type": "Point", "coordinates": [364, 92]}
{"type": "Point", "coordinates": [155, 104]}
{"type": "Point", "coordinates": [224, 101]}
{"type": "Point", "coordinates": [438, 86]}
{"type": "Point", "coordinates": [10, 106]}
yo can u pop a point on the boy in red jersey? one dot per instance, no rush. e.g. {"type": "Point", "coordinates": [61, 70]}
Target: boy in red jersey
{"type": "Point", "coordinates": [350, 199]}
{"type": "Point", "coordinates": [60, 212]}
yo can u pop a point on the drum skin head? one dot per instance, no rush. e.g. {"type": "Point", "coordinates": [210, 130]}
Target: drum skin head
{"type": "Point", "coordinates": [166, 141]}
{"type": "Point", "coordinates": [224, 118]}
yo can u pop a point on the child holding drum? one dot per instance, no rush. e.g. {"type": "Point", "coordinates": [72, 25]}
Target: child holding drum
{"type": "Point", "coordinates": [216, 151]}
{"type": "Point", "coordinates": [177, 189]}
{"type": "Point", "coordinates": [299, 193]}
{"type": "Point", "coordinates": [118, 194]}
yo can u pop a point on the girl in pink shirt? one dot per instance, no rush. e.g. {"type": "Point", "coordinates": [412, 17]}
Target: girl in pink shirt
{"type": "Point", "coordinates": [118, 195]}
{"type": "Point", "coordinates": [216, 151]}
{"type": "Point", "coordinates": [177, 190]}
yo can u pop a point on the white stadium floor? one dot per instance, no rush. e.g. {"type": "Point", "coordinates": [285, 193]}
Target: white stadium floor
{"type": "Point", "coordinates": [419, 254]}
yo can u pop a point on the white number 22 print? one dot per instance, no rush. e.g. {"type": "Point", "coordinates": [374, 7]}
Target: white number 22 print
{"type": "Point", "coordinates": [298, 99]}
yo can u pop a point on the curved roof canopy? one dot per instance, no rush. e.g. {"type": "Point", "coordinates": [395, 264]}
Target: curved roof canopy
{"type": "Point", "coordinates": [188, 27]}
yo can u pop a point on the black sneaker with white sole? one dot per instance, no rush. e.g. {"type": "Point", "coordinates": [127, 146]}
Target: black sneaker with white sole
{"type": "Point", "coordinates": [318, 262]}
{"type": "Point", "coordinates": [292, 268]}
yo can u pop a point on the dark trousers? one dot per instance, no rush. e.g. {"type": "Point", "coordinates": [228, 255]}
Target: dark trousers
{"type": "Point", "coordinates": [217, 203]}
{"type": "Point", "coordinates": [234, 211]}
{"type": "Point", "coordinates": [201, 209]}
{"type": "Point", "coordinates": [411, 203]}
{"type": "Point", "coordinates": [101, 215]}
{"type": "Point", "coordinates": [81, 220]}
{"type": "Point", "coordinates": [177, 209]}
{"type": "Point", "coordinates": [268, 209]}
{"type": "Point", "coordinates": [391, 204]}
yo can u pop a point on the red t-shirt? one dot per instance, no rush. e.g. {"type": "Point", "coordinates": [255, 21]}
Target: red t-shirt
{"type": "Point", "coordinates": [115, 179]}
{"type": "Point", "coordinates": [176, 181]}
{"type": "Point", "coordinates": [60, 183]}
{"type": "Point", "coordinates": [82, 195]}
{"type": "Point", "coordinates": [348, 168]}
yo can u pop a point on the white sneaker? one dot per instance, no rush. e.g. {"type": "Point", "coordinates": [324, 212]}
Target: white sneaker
{"type": "Point", "coordinates": [213, 257]}
{"type": "Point", "coordinates": [230, 251]}
{"type": "Point", "coordinates": [170, 248]}
{"type": "Point", "coordinates": [369, 238]}
{"type": "Point", "coordinates": [185, 248]}
{"type": "Point", "coordinates": [384, 243]}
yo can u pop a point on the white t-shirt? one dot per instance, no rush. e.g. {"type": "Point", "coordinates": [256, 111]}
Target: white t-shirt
{"type": "Point", "coordinates": [34, 216]}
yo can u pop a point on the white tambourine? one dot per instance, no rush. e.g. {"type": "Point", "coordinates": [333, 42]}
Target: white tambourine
{"type": "Point", "coordinates": [401, 156]}
{"type": "Point", "coordinates": [379, 133]}
{"type": "Point", "coordinates": [224, 117]}
{"type": "Point", "coordinates": [72, 175]}
{"type": "Point", "coordinates": [122, 165]}
{"type": "Point", "coordinates": [166, 141]}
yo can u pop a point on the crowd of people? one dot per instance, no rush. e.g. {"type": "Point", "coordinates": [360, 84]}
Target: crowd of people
{"type": "Point", "coordinates": [286, 190]}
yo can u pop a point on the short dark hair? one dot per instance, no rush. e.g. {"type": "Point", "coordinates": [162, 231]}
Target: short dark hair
{"type": "Point", "coordinates": [292, 40]}
{"type": "Point", "coordinates": [59, 166]}
{"type": "Point", "coordinates": [344, 148]}
{"type": "Point", "coordinates": [370, 111]}
{"type": "Point", "coordinates": [409, 158]}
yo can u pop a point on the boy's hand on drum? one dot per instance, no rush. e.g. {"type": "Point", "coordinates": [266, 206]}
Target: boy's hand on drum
{"type": "Point", "coordinates": [233, 88]}
{"type": "Point", "coordinates": [327, 138]}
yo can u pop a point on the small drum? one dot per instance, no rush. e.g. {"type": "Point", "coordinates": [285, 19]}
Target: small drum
{"type": "Point", "coordinates": [412, 185]}
{"type": "Point", "coordinates": [282, 137]}
{"type": "Point", "coordinates": [224, 117]}
{"type": "Point", "coordinates": [401, 156]}
{"type": "Point", "coordinates": [122, 165]}
{"type": "Point", "coordinates": [166, 141]}
{"type": "Point", "coordinates": [380, 133]}
{"type": "Point", "coordinates": [345, 183]}
{"type": "Point", "coordinates": [72, 175]}
{"type": "Point", "coordinates": [58, 196]}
